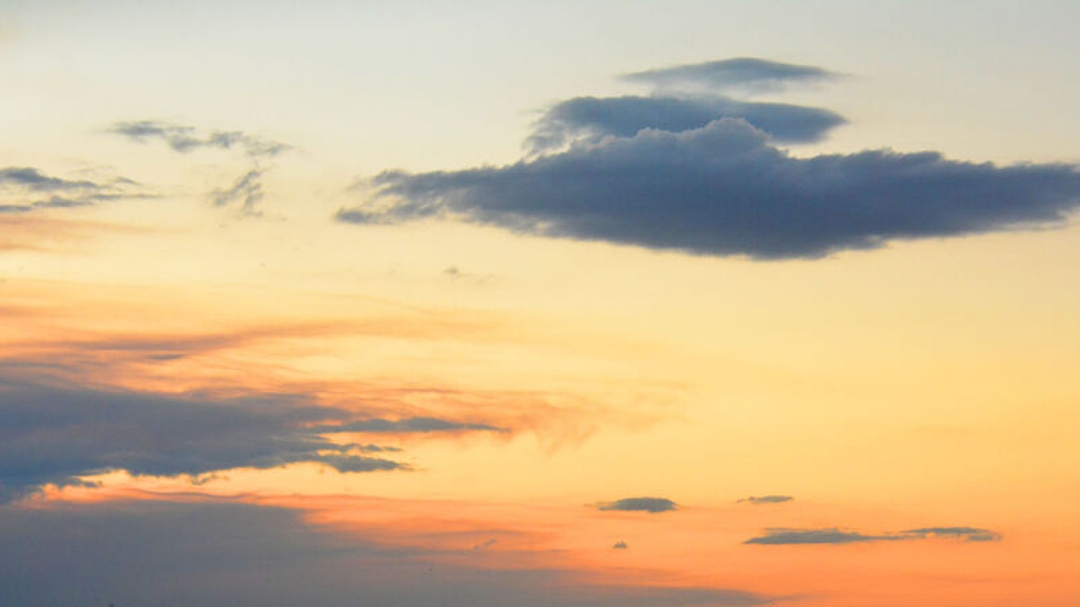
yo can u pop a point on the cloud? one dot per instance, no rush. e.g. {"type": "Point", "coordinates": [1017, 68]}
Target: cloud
{"type": "Point", "coordinates": [184, 139]}
{"type": "Point", "coordinates": [723, 190]}
{"type": "Point", "coordinates": [28, 184]}
{"type": "Point", "coordinates": [767, 499]}
{"type": "Point", "coordinates": [238, 555]}
{"type": "Point", "coordinates": [970, 534]}
{"type": "Point", "coordinates": [740, 72]}
{"type": "Point", "coordinates": [33, 179]}
{"type": "Point", "coordinates": [651, 172]}
{"type": "Point", "coordinates": [52, 434]}
{"type": "Point", "coordinates": [407, 426]}
{"type": "Point", "coordinates": [640, 504]}
{"type": "Point", "coordinates": [620, 546]}
{"type": "Point", "coordinates": [784, 536]}
{"type": "Point", "coordinates": [592, 118]}
{"type": "Point", "coordinates": [247, 190]}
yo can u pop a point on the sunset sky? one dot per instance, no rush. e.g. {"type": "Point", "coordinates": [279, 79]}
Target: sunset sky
{"type": "Point", "coordinates": [560, 304]}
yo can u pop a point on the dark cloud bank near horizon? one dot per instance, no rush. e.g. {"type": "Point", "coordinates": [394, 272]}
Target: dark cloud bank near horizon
{"type": "Point", "coordinates": [216, 554]}
{"type": "Point", "coordinates": [691, 169]}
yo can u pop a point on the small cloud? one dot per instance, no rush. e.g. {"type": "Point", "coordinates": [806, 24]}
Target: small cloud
{"type": "Point", "coordinates": [458, 275]}
{"type": "Point", "coordinates": [766, 499]}
{"type": "Point", "coordinates": [485, 544]}
{"type": "Point", "coordinates": [785, 536]}
{"type": "Point", "coordinates": [781, 536]}
{"type": "Point", "coordinates": [620, 546]}
{"type": "Point", "coordinates": [970, 534]}
{"type": "Point", "coordinates": [640, 504]}
{"type": "Point", "coordinates": [247, 190]}
{"type": "Point", "coordinates": [749, 73]}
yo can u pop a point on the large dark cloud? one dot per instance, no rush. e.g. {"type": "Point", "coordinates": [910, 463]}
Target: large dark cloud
{"type": "Point", "coordinates": [28, 189]}
{"type": "Point", "coordinates": [652, 505]}
{"type": "Point", "coordinates": [724, 190]}
{"type": "Point", "coordinates": [703, 175]}
{"type": "Point", "coordinates": [739, 72]}
{"type": "Point", "coordinates": [235, 555]}
{"type": "Point", "coordinates": [56, 434]}
{"type": "Point", "coordinates": [782, 536]}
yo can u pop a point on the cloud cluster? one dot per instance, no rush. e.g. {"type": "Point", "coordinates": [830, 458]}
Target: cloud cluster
{"type": "Point", "coordinates": [784, 536]}
{"type": "Point", "coordinates": [703, 173]}
{"type": "Point", "coordinates": [34, 190]}
{"type": "Point", "coordinates": [247, 190]}
{"type": "Point", "coordinates": [652, 505]}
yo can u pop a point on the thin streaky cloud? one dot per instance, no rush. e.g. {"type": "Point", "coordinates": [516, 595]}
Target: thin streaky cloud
{"type": "Point", "coordinates": [740, 72]}
{"type": "Point", "coordinates": [785, 536]}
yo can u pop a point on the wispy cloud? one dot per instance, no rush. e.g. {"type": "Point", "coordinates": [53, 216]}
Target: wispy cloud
{"type": "Point", "coordinates": [766, 499]}
{"type": "Point", "coordinates": [247, 190]}
{"type": "Point", "coordinates": [652, 505]}
{"type": "Point", "coordinates": [184, 138]}
{"type": "Point", "coordinates": [784, 536]}
{"type": "Point", "coordinates": [705, 176]}
{"type": "Point", "coordinates": [27, 189]}
{"type": "Point", "coordinates": [408, 426]}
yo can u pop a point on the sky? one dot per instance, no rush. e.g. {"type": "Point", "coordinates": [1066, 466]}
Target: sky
{"type": "Point", "coordinates": [478, 304]}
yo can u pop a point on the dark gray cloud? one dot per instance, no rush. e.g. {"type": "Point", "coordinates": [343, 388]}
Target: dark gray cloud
{"type": "Point", "coordinates": [724, 190]}
{"type": "Point", "coordinates": [408, 425]}
{"type": "Point", "coordinates": [592, 118]}
{"type": "Point", "coordinates": [767, 499]}
{"type": "Point", "coordinates": [234, 555]}
{"type": "Point", "coordinates": [640, 504]}
{"type": "Point", "coordinates": [53, 434]}
{"type": "Point", "coordinates": [27, 184]}
{"type": "Point", "coordinates": [783, 536]}
{"type": "Point", "coordinates": [740, 72]}
{"type": "Point", "coordinates": [620, 546]}
{"type": "Point", "coordinates": [183, 138]}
